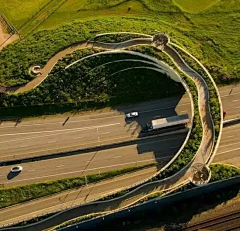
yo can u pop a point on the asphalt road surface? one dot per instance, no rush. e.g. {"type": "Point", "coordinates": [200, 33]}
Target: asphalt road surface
{"type": "Point", "coordinates": [160, 149]}
{"type": "Point", "coordinates": [229, 148]}
{"type": "Point", "coordinates": [57, 134]}
{"type": "Point", "coordinates": [71, 198]}
{"type": "Point", "coordinates": [230, 96]}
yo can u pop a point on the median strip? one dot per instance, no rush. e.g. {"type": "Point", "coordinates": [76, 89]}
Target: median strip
{"type": "Point", "coordinates": [102, 146]}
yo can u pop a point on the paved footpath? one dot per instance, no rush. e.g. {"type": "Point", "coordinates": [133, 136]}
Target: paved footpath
{"type": "Point", "coordinates": [176, 180]}
{"type": "Point", "coordinates": [71, 198]}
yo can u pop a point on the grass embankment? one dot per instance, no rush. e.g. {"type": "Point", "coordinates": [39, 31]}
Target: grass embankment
{"type": "Point", "coordinates": [219, 172]}
{"type": "Point", "coordinates": [213, 97]}
{"type": "Point", "coordinates": [223, 172]}
{"type": "Point", "coordinates": [117, 38]}
{"type": "Point", "coordinates": [210, 35]}
{"type": "Point", "coordinates": [91, 84]}
{"type": "Point", "coordinates": [11, 196]}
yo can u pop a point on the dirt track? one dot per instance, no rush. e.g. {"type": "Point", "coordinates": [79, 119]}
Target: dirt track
{"type": "Point", "coordinates": [5, 38]}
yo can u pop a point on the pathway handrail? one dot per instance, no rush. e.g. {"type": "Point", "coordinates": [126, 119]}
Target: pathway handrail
{"type": "Point", "coordinates": [219, 99]}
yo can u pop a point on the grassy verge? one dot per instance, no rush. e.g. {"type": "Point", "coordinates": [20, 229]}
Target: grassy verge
{"type": "Point", "coordinates": [11, 196]}
{"type": "Point", "coordinates": [117, 38]}
{"type": "Point", "coordinates": [223, 172]}
{"type": "Point", "coordinates": [219, 172]}
{"type": "Point", "coordinates": [213, 97]}
{"type": "Point", "coordinates": [91, 84]}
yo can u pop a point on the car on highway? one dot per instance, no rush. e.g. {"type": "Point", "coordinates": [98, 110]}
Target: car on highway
{"type": "Point", "coordinates": [132, 114]}
{"type": "Point", "coordinates": [16, 169]}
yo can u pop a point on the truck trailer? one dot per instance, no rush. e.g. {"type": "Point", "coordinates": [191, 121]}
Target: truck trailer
{"type": "Point", "coordinates": [178, 121]}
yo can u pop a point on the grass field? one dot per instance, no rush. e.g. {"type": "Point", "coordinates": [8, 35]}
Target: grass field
{"type": "Point", "coordinates": [18, 11]}
{"type": "Point", "coordinates": [208, 29]}
{"type": "Point", "coordinates": [194, 6]}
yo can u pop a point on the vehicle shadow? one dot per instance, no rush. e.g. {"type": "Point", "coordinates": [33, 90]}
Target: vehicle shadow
{"type": "Point", "coordinates": [161, 144]}
{"type": "Point", "coordinates": [12, 175]}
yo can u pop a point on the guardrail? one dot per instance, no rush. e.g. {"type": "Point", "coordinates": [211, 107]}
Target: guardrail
{"type": "Point", "coordinates": [219, 99]}
{"type": "Point", "coordinates": [207, 95]}
{"type": "Point", "coordinates": [156, 182]}
{"type": "Point", "coordinates": [156, 203]}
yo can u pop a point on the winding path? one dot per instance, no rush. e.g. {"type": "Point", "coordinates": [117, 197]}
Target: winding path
{"type": "Point", "coordinates": [181, 178]}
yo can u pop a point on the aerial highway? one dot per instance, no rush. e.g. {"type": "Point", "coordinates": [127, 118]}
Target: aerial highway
{"type": "Point", "coordinates": [90, 161]}
{"type": "Point", "coordinates": [67, 137]}
{"type": "Point", "coordinates": [229, 148]}
{"type": "Point", "coordinates": [159, 149]}
{"type": "Point", "coordinates": [63, 133]}
{"type": "Point", "coordinates": [72, 197]}
{"type": "Point", "coordinates": [57, 134]}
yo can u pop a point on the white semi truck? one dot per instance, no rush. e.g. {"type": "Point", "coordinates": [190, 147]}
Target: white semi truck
{"type": "Point", "coordinates": [178, 121]}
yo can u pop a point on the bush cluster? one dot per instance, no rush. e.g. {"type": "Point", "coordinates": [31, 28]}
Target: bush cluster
{"type": "Point", "coordinates": [223, 172]}
{"type": "Point", "coordinates": [117, 38]}
{"type": "Point", "coordinates": [91, 84]}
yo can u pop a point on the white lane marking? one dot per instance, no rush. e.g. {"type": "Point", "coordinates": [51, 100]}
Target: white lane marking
{"type": "Point", "coordinates": [229, 136]}
{"type": "Point", "coordinates": [228, 144]}
{"type": "Point", "coordinates": [104, 133]}
{"type": "Point", "coordinates": [231, 127]}
{"type": "Point", "coordinates": [50, 142]}
{"type": "Point", "coordinates": [78, 137]}
{"type": "Point", "coordinates": [117, 157]}
{"type": "Point", "coordinates": [87, 170]}
{"type": "Point", "coordinates": [220, 153]}
{"type": "Point", "coordinates": [75, 129]}
{"type": "Point", "coordinates": [236, 100]}
{"type": "Point", "coordinates": [59, 166]}
{"type": "Point", "coordinates": [238, 107]}
{"type": "Point", "coordinates": [176, 147]}
{"type": "Point", "coordinates": [34, 137]}
{"type": "Point", "coordinates": [74, 121]}
{"type": "Point", "coordinates": [23, 146]}
{"type": "Point", "coordinates": [158, 141]}
{"type": "Point", "coordinates": [183, 111]}
{"type": "Point", "coordinates": [31, 170]}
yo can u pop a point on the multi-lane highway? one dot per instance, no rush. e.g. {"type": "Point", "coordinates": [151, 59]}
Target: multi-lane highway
{"type": "Point", "coordinates": [54, 134]}
{"type": "Point", "coordinates": [229, 149]}
{"type": "Point", "coordinates": [57, 134]}
{"type": "Point", "coordinates": [230, 96]}
{"type": "Point", "coordinates": [71, 198]}
{"type": "Point", "coordinates": [160, 149]}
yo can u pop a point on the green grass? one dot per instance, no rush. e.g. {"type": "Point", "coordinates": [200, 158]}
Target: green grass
{"type": "Point", "coordinates": [117, 38]}
{"type": "Point", "coordinates": [91, 83]}
{"type": "Point", "coordinates": [223, 172]}
{"type": "Point", "coordinates": [11, 196]}
{"type": "Point", "coordinates": [20, 11]}
{"type": "Point", "coordinates": [212, 35]}
{"type": "Point", "coordinates": [195, 6]}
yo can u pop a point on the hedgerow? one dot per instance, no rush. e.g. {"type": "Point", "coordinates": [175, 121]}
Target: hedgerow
{"type": "Point", "coordinates": [90, 84]}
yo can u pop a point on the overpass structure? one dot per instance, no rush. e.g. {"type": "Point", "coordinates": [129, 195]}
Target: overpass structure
{"type": "Point", "coordinates": [203, 156]}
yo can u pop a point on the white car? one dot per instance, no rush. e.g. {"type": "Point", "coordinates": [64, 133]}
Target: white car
{"type": "Point", "coordinates": [132, 114]}
{"type": "Point", "coordinates": [16, 169]}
